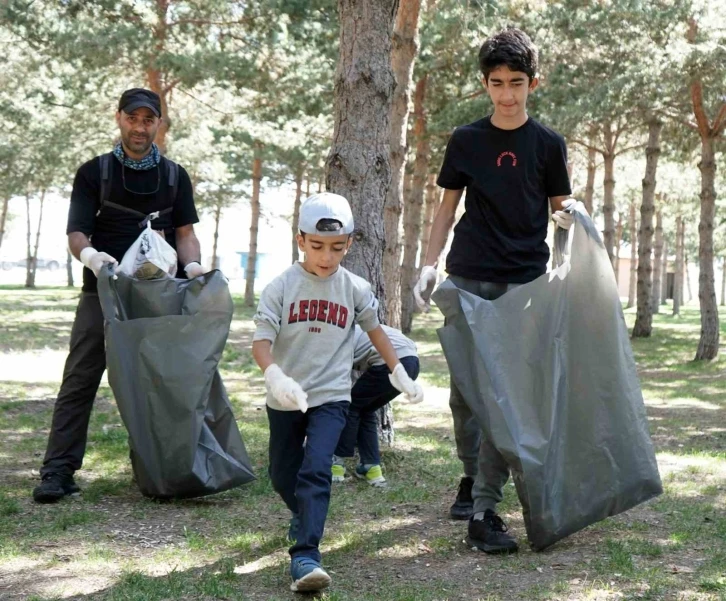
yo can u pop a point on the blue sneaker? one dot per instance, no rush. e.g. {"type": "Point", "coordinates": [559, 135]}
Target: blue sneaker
{"type": "Point", "coordinates": [307, 575]}
{"type": "Point", "coordinates": [294, 528]}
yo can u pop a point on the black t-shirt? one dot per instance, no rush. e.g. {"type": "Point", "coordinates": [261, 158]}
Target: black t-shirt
{"type": "Point", "coordinates": [113, 231]}
{"type": "Point", "coordinates": [509, 175]}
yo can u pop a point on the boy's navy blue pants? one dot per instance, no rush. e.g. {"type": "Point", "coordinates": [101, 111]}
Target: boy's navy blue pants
{"type": "Point", "coordinates": [302, 474]}
{"type": "Point", "coordinates": [371, 391]}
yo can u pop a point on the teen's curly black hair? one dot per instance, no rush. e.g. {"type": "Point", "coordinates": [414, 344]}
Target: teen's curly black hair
{"type": "Point", "coordinates": [510, 47]}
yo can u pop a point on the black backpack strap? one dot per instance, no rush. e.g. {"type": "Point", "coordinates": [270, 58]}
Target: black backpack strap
{"type": "Point", "coordinates": [105, 160]}
{"type": "Point", "coordinates": [172, 171]}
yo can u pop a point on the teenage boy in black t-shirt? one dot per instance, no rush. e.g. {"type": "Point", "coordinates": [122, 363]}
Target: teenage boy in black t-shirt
{"type": "Point", "coordinates": [510, 166]}
{"type": "Point", "coordinates": [139, 183]}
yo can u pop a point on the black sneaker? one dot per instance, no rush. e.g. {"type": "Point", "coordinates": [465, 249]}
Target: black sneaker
{"type": "Point", "coordinates": [463, 507]}
{"type": "Point", "coordinates": [53, 487]}
{"type": "Point", "coordinates": [490, 534]}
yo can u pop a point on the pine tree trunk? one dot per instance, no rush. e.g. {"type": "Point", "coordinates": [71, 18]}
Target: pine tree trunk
{"type": "Point", "coordinates": [678, 275]}
{"type": "Point", "coordinates": [359, 163]}
{"type": "Point", "coordinates": [591, 172]}
{"type": "Point", "coordinates": [618, 242]}
{"type": "Point", "coordinates": [723, 281]}
{"type": "Point", "coordinates": [608, 200]}
{"type": "Point", "coordinates": [69, 269]}
{"type": "Point", "coordinates": [296, 211]}
{"type": "Point", "coordinates": [633, 254]}
{"type": "Point", "coordinates": [414, 206]}
{"type": "Point", "coordinates": [429, 209]}
{"type": "Point", "coordinates": [644, 316]}
{"type": "Point", "coordinates": [657, 264]}
{"type": "Point", "coordinates": [403, 53]}
{"type": "Point", "coordinates": [687, 277]}
{"type": "Point", "coordinates": [254, 227]}
{"type": "Point", "coordinates": [4, 218]}
{"type": "Point", "coordinates": [664, 278]}
{"type": "Point", "coordinates": [32, 264]}
{"type": "Point", "coordinates": [217, 219]}
{"type": "Point", "coordinates": [708, 343]}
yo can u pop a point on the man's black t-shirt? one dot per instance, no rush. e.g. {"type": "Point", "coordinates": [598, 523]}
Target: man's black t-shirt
{"type": "Point", "coordinates": [509, 175]}
{"type": "Point", "coordinates": [113, 231]}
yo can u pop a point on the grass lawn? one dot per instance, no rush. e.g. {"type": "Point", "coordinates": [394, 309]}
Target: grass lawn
{"type": "Point", "coordinates": [395, 544]}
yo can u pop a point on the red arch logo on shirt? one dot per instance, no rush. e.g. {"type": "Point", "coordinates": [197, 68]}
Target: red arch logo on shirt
{"type": "Point", "coordinates": [504, 154]}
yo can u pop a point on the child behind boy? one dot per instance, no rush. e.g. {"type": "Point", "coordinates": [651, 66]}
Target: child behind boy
{"type": "Point", "coordinates": [372, 389]}
{"type": "Point", "coordinates": [304, 345]}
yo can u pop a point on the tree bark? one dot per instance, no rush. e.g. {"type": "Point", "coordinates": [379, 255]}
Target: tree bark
{"type": "Point", "coordinates": [608, 200]}
{"type": "Point", "coordinates": [644, 315]}
{"type": "Point", "coordinates": [687, 277]}
{"type": "Point", "coordinates": [69, 269]}
{"type": "Point", "coordinates": [217, 219]}
{"type": "Point", "coordinates": [296, 211]}
{"type": "Point", "coordinates": [429, 210]}
{"type": "Point", "coordinates": [618, 242]}
{"type": "Point", "coordinates": [591, 172]}
{"type": "Point", "coordinates": [678, 275]}
{"type": "Point", "coordinates": [32, 262]}
{"type": "Point", "coordinates": [657, 264]}
{"type": "Point", "coordinates": [404, 46]}
{"type": "Point", "coordinates": [633, 254]}
{"type": "Point", "coordinates": [723, 281]}
{"type": "Point", "coordinates": [359, 163]}
{"type": "Point", "coordinates": [664, 283]}
{"type": "Point", "coordinates": [154, 76]}
{"type": "Point", "coordinates": [254, 227]}
{"type": "Point", "coordinates": [4, 218]}
{"type": "Point", "coordinates": [414, 206]}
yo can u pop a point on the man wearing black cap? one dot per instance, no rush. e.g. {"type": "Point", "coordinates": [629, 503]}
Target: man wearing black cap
{"type": "Point", "coordinates": [112, 194]}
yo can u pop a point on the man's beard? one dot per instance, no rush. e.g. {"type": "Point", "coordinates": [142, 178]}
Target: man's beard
{"type": "Point", "coordinates": [138, 147]}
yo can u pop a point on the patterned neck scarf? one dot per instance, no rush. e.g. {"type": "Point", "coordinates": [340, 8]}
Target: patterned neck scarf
{"type": "Point", "coordinates": [150, 161]}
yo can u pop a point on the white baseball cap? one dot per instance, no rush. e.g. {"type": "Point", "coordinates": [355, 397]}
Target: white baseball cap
{"type": "Point", "coordinates": [325, 205]}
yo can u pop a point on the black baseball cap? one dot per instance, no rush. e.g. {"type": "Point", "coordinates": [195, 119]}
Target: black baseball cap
{"type": "Point", "coordinates": [136, 98]}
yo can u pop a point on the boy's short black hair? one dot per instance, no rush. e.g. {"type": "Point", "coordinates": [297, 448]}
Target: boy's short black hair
{"type": "Point", "coordinates": [512, 48]}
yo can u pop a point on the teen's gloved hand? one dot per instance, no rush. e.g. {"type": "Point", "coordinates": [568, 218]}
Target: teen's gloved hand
{"type": "Point", "coordinates": [193, 270]}
{"type": "Point", "coordinates": [95, 260]}
{"type": "Point", "coordinates": [403, 382]}
{"type": "Point", "coordinates": [424, 287]}
{"type": "Point", "coordinates": [564, 217]}
{"type": "Point", "coordinates": [286, 390]}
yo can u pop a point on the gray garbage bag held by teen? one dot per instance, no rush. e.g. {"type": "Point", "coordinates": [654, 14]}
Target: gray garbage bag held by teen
{"type": "Point", "coordinates": [548, 371]}
{"type": "Point", "coordinates": [164, 340]}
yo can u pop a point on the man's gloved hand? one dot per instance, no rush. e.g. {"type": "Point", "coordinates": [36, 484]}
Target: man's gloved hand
{"type": "Point", "coordinates": [424, 287]}
{"type": "Point", "coordinates": [193, 270]}
{"type": "Point", "coordinates": [95, 260]}
{"type": "Point", "coordinates": [564, 218]}
{"type": "Point", "coordinates": [286, 390]}
{"type": "Point", "coordinates": [402, 381]}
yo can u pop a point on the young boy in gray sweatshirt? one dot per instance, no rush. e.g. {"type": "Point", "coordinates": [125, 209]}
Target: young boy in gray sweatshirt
{"type": "Point", "coordinates": [304, 345]}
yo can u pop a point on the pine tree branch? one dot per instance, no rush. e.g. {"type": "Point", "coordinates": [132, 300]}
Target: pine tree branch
{"type": "Point", "coordinates": [629, 148]}
{"type": "Point", "coordinates": [720, 122]}
{"type": "Point", "coordinates": [698, 110]}
{"type": "Point", "coordinates": [587, 145]}
{"type": "Point", "coordinates": [209, 22]}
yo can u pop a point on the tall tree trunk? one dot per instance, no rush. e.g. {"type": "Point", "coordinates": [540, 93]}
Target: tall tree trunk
{"type": "Point", "coordinates": [657, 264]}
{"type": "Point", "coordinates": [254, 227]}
{"type": "Point", "coordinates": [28, 252]}
{"type": "Point", "coordinates": [4, 218]}
{"type": "Point", "coordinates": [429, 210]}
{"type": "Point", "coordinates": [618, 242]}
{"type": "Point", "coordinates": [69, 269]}
{"type": "Point", "coordinates": [155, 78]}
{"type": "Point", "coordinates": [413, 207]}
{"type": "Point", "coordinates": [664, 278]}
{"type": "Point", "coordinates": [644, 315]}
{"type": "Point", "coordinates": [591, 172]}
{"type": "Point", "coordinates": [608, 200]}
{"type": "Point", "coordinates": [687, 277]}
{"type": "Point", "coordinates": [32, 265]}
{"type": "Point", "coordinates": [217, 219]}
{"type": "Point", "coordinates": [359, 163]}
{"type": "Point", "coordinates": [296, 211]}
{"type": "Point", "coordinates": [633, 254]}
{"type": "Point", "coordinates": [678, 275]}
{"type": "Point", "coordinates": [404, 47]}
{"type": "Point", "coordinates": [723, 281]}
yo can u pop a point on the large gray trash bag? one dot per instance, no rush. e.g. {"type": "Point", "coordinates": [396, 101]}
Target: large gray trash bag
{"type": "Point", "coordinates": [164, 340]}
{"type": "Point", "coordinates": [548, 371]}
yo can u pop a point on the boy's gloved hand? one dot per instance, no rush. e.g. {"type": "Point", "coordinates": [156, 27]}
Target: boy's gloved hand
{"type": "Point", "coordinates": [402, 381]}
{"type": "Point", "coordinates": [193, 270]}
{"type": "Point", "coordinates": [564, 218]}
{"type": "Point", "coordinates": [424, 287]}
{"type": "Point", "coordinates": [95, 260]}
{"type": "Point", "coordinates": [286, 390]}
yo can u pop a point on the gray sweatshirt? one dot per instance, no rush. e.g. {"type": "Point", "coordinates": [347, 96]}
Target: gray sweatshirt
{"type": "Point", "coordinates": [310, 322]}
{"type": "Point", "coordinates": [365, 354]}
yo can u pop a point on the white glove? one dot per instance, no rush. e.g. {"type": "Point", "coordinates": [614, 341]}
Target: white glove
{"type": "Point", "coordinates": [286, 390]}
{"type": "Point", "coordinates": [402, 381]}
{"type": "Point", "coordinates": [564, 218]}
{"type": "Point", "coordinates": [424, 287]}
{"type": "Point", "coordinates": [193, 270]}
{"type": "Point", "coordinates": [95, 260]}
